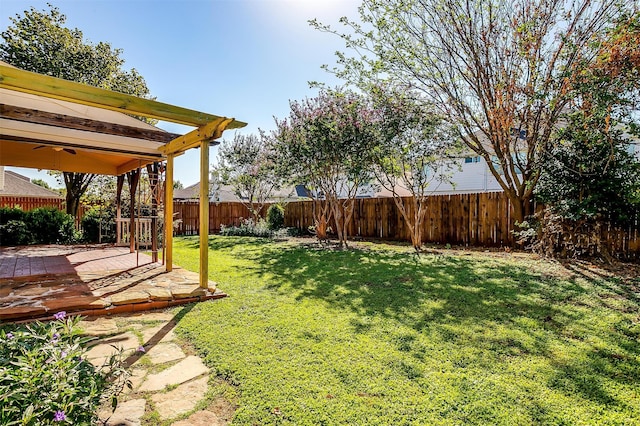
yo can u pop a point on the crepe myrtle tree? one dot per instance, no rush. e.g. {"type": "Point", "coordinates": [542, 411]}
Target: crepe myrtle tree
{"type": "Point", "coordinates": [246, 164]}
{"type": "Point", "coordinates": [501, 71]}
{"type": "Point", "coordinates": [414, 155]}
{"type": "Point", "coordinates": [39, 41]}
{"type": "Point", "coordinates": [327, 144]}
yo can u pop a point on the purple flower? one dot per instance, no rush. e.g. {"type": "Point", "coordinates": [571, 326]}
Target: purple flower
{"type": "Point", "coordinates": [63, 354]}
{"type": "Point", "coordinates": [59, 416]}
{"type": "Point", "coordinates": [55, 338]}
{"type": "Point", "coordinates": [141, 349]}
{"type": "Point", "coordinates": [60, 316]}
{"type": "Point", "coordinates": [9, 335]}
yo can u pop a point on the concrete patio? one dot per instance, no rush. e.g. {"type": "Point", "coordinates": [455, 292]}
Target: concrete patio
{"type": "Point", "coordinates": [38, 281]}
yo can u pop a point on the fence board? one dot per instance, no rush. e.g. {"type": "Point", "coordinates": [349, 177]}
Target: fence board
{"type": "Point", "coordinates": [479, 219]}
{"type": "Point", "coordinates": [30, 203]}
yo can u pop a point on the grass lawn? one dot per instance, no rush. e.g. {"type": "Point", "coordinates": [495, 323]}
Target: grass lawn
{"type": "Point", "coordinates": [377, 335]}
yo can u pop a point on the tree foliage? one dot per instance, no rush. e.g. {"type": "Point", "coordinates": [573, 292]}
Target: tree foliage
{"type": "Point", "coordinates": [591, 174]}
{"type": "Point", "coordinates": [40, 182]}
{"type": "Point", "coordinates": [413, 155]}
{"type": "Point", "coordinates": [246, 164]}
{"type": "Point", "coordinates": [38, 41]}
{"type": "Point", "coordinates": [327, 145]}
{"type": "Point", "coordinates": [501, 71]}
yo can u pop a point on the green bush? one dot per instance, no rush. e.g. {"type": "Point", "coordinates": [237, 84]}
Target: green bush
{"type": "Point", "coordinates": [13, 229]}
{"type": "Point", "coordinates": [15, 233]}
{"type": "Point", "coordinates": [11, 213]}
{"type": "Point", "coordinates": [247, 228]}
{"type": "Point", "coordinates": [46, 379]}
{"type": "Point", "coordinates": [275, 217]}
{"type": "Point", "coordinates": [51, 226]}
{"type": "Point", "coordinates": [96, 220]}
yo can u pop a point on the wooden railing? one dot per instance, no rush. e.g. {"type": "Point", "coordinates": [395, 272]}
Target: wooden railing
{"type": "Point", "coordinates": [143, 231]}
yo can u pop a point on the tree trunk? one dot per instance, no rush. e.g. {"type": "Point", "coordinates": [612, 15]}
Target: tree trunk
{"type": "Point", "coordinates": [76, 185]}
{"type": "Point", "coordinates": [73, 202]}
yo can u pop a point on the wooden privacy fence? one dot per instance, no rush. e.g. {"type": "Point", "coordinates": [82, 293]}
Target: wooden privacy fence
{"type": "Point", "coordinates": [478, 219]}
{"type": "Point", "coordinates": [187, 216]}
{"type": "Point", "coordinates": [482, 219]}
{"type": "Point", "coordinates": [30, 203]}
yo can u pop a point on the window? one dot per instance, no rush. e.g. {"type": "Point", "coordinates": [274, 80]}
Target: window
{"type": "Point", "coordinates": [521, 134]}
{"type": "Point", "coordinates": [472, 159]}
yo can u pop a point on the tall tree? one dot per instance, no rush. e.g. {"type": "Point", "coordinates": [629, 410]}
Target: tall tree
{"type": "Point", "coordinates": [246, 164]}
{"type": "Point", "coordinates": [326, 144]}
{"type": "Point", "coordinates": [38, 41]}
{"type": "Point", "coordinates": [500, 70]}
{"type": "Point", "coordinates": [591, 176]}
{"type": "Point", "coordinates": [414, 155]}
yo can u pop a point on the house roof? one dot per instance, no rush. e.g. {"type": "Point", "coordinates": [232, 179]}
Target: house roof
{"type": "Point", "coordinates": [225, 193]}
{"type": "Point", "coordinates": [16, 185]}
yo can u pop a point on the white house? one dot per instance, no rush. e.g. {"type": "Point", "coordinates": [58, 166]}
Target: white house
{"type": "Point", "coordinates": [471, 174]}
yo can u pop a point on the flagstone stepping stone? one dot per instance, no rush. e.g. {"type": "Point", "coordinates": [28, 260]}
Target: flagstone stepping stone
{"type": "Point", "coordinates": [180, 400]}
{"type": "Point", "coordinates": [128, 413]}
{"type": "Point", "coordinates": [152, 334]}
{"type": "Point", "coordinates": [184, 291]}
{"type": "Point", "coordinates": [137, 377]}
{"type": "Point", "coordinates": [75, 303]}
{"type": "Point", "coordinates": [99, 326]}
{"type": "Point", "coordinates": [153, 316]}
{"type": "Point", "coordinates": [104, 348]}
{"type": "Point", "coordinates": [165, 352]}
{"type": "Point", "coordinates": [187, 369]}
{"type": "Point", "coordinates": [159, 293]}
{"type": "Point", "coordinates": [202, 418]}
{"type": "Point", "coordinates": [127, 297]}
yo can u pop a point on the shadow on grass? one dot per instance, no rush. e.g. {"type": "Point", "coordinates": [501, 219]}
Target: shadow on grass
{"type": "Point", "coordinates": [462, 300]}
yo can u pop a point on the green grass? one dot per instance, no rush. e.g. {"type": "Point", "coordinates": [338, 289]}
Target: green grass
{"type": "Point", "coordinates": [378, 335]}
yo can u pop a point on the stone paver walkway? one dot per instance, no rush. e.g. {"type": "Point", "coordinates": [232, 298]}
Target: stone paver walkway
{"type": "Point", "coordinates": [168, 383]}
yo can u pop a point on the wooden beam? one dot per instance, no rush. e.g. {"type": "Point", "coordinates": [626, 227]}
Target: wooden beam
{"type": "Point", "coordinates": [209, 132]}
{"type": "Point", "coordinates": [168, 215]}
{"type": "Point", "coordinates": [204, 214]}
{"type": "Point", "coordinates": [131, 165]}
{"type": "Point", "coordinates": [79, 123]}
{"type": "Point", "coordinates": [29, 82]}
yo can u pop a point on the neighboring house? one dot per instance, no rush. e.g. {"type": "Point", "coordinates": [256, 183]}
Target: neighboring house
{"type": "Point", "coordinates": [225, 194]}
{"type": "Point", "coordinates": [18, 191]}
{"type": "Point", "coordinates": [470, 173]}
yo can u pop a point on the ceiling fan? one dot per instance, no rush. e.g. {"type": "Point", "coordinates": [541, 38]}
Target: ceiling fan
{"type": "Point", "coordinates": [57, 149]}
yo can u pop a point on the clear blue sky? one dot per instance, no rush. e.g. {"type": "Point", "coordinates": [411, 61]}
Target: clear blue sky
{"type": "Point", "coordinates": [238, 58]}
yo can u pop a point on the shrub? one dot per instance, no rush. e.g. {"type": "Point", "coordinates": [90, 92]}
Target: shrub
{"type": "Point", "coordinates": [51, 226]}
{"type": "Point", "coordinates": [275, 217]}
{"type": "Point", "coordinates": [11, 213]}
{"type": "Point", "coordinates": [97, 220]}
{"type": "Point", "coordinates": [13, 229]}
{"type": "Point", "coordinates": [45, 378]}
{"type": "Point", "coordinates": [15, 233]}
{"type": "Point", "coordinates": [247, 228]}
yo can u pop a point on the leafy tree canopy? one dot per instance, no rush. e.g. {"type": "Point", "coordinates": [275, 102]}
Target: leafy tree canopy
{"type": "Point", "coordinates": [501, 71]}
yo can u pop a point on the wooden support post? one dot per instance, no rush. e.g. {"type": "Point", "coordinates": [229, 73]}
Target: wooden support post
{"type": "Point", "coordinates": [204, 214]}
{"type": "Point", "coordinates": [153, 171]}
{"type": "Point", "coordinates": [168, 214]}
{"type": "Point", "coordinates": [119, 184]}
{"type": "Point", "coordinates": [133, 177]}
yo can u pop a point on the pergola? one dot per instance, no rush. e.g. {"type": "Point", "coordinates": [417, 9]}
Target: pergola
{"type": "Point", "coordinates": [50, 123]}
